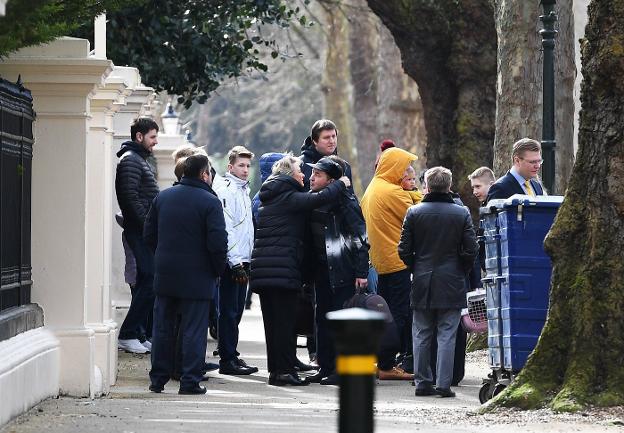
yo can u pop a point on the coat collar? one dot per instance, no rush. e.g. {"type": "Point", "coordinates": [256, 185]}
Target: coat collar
{"type": "Point", "coordinates": [135, 147]}
{"type": "Point", "coordinates": [197, 183]}
{"type": "Point", "coordinates": [438, 197]}
{"type": "Point", "coordinates": [236, 181]}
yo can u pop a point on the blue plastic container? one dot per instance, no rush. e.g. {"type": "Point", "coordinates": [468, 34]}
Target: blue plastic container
{"type": "Point", "coordinates": [518, 274]}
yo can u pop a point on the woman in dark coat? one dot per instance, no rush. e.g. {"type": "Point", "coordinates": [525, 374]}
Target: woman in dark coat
{"type": "Point", "coordinates": [277, 258]}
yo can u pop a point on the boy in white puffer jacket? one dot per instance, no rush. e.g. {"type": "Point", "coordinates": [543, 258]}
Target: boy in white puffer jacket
{"type": "Point", "coordinates": [233, 191]}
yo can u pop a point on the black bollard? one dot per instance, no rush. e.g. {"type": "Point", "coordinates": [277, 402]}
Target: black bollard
{"type": "Point", "coordinates": [357, 333]}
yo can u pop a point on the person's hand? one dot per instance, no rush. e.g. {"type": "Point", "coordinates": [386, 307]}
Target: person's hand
{"type": "Point", "coordinates": [239, 275]}
{"type": "Point", "coordinates": [361, 283]}
{"type": "Point", "coordinates": [345, 180]}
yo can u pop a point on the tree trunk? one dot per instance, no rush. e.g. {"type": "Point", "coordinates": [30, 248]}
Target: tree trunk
{"type": "Point", "coordinates": [336, 86]}
{"type": "Point", "coordinates": [565, 74]}
{"type": "Point", "coordinates": [400, 114]}
{"type": "Point", "coordinates": [519, 85]}
{"type": "Point", "coordinates": [578, 358]}
{"type": "Point", "coordinates": [449, 49]}
{"type": "Point", "coordinates": [364, 51]}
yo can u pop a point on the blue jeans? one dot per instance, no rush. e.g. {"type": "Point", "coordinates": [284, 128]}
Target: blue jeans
{"type": "Point", "coordinates": [231, 306]}
{"type": "Point", "coordinates": [395, 289]}
{"type": "Point", "coordinates": [373, 279]}
{"type": "Point", "coordinates": [194, 332]}
{"type": "Point", "coordinates": [446, 322]}
{"type": "Point", "coordinates": [137, 321]}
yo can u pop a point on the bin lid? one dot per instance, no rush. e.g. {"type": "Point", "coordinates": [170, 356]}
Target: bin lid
{"type": "Point", "coordinates": [549, 201]}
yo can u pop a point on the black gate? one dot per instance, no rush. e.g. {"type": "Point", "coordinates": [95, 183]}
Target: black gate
{"type": "Point", "coordinates": [16, 144]}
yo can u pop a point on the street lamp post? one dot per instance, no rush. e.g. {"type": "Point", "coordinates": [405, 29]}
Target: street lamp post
{"type": "Point", "coordinates": [548, 34]}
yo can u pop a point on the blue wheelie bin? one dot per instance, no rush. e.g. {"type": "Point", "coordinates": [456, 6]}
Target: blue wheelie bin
{"type": "Point", "coordinates": [517, 282]}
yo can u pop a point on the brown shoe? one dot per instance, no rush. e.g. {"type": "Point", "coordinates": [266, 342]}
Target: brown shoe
{"type": "Point", "coordinates": [396, 373]}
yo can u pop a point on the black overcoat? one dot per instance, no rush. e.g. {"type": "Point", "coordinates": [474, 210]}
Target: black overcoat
{"type": "Point", "coordinates": [438, 244]}
{"type": "Point", "coordinates": [277, 257]}
{"type": "Point", "coordinates": [186, 229]}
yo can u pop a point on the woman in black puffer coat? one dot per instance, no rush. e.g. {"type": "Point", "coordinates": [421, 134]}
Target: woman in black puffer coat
{"type": "Point", "coordinates": [277, 258]}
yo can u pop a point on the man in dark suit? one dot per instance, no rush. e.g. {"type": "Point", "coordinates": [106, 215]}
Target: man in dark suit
{"type": "Point", "coordinates": [186, 229]}
{"type": "Point", "coordinates": [522, 177]}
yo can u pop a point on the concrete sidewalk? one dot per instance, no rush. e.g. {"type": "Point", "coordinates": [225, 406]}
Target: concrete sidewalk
{"type": "Point", "coordinates": [247, 404]}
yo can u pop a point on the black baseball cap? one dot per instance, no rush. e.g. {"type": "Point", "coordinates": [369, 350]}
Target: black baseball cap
{"type": "Point", "coordinates": [332, 168]}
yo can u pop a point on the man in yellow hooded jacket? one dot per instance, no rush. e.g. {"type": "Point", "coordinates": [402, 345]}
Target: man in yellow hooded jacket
{"type": "Point", "coordinates": [384, 206]}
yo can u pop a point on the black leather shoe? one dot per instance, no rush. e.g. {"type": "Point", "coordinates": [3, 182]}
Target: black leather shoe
{"type": "Point", "coordinates": [445, 392]}
{"type": "Point", "coordinates": [300, 366]}
{"type": "Point", "coordinates": [192, 391]}
{"type": "Point", "coordinates": [291, 379]}
{"type": "Point", "coordinates": [242, 363]}
{"type": "Point", "coordinates": [156, 389]}
{"type": "Point", "coordinates": [233, 368]}
{"type": "Point", "coordinates": [332, 379]}
{"type": "Point", "coordinates": [316, 378]}
{"type": "Point", "coordinates": [422, 392]}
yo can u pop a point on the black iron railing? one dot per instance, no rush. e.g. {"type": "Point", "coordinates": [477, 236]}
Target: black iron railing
{"type": "Point", "coordinates": [16, 144]}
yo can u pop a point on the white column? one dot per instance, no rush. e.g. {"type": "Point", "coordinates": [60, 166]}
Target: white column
{"type": "Point", "coordinates": [137, 103]}
{"type": "Point", "coordinates": [99, 36]}
{"type": "Point", "coordinates": [162, 152]}
{"type": "Point", "coordinates": [62, 78]}
{"type": "Point", "coordinates": [104, 104]}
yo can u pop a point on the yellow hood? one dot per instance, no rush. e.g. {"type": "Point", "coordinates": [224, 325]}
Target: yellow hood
{"type": "Point", "coordinates": [384, 206]}
{"type": "Point", "coordinates": [393, 163]}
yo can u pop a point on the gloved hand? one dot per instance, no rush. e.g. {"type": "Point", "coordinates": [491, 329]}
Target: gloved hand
{"type": "Point", "coordinates": [239, 275]}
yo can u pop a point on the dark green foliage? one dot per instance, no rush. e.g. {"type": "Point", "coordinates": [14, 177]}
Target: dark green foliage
{"type": "Point", "coordinates": [187, 47]}
{"type": "Point", "coordinates": [32, 22]}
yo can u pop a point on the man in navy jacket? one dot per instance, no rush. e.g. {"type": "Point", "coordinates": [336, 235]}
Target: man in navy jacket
{"type": "Point", "coordinates": [186, 229]}
{"type": "Point", "coordinates": [522, 177]}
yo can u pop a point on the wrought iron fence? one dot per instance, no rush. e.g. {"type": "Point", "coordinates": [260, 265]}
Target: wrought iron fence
{"type": "Point", "coordinates": [16, 144]}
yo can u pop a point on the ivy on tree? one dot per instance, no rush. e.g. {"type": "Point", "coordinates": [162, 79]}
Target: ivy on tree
{"type": "Point", "coordinates": [187, 47]}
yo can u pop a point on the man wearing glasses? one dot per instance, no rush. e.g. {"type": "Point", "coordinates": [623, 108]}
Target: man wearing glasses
{"type": "Point", "coordinates": [522, 178]}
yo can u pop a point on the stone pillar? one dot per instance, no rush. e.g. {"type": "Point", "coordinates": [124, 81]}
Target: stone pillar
{"type": "Point", "coordinates": [62, 78]}
{"type": "Point", "coordinates": [104, 103]}
{"type": "Point", "coordinates": [162, 152]}
{"type": "Point", "coordinates": [138, 99]}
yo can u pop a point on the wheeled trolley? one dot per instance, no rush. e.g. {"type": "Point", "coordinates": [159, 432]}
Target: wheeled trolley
{"type": "Point", "coordinates": [517, 282]}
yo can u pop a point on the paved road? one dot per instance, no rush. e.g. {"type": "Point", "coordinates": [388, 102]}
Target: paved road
{"type": "Point", "coordinates": [248, 404]}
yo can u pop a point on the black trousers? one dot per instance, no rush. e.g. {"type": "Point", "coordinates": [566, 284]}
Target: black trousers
{"type": "Point", "coordinates": [328, 299]}
{"type": "Point", "coordinates": [279, 311]}
{"type": "Point", "coordinates": [395, 289]}
{"type": "Point", "coordinates": [137, 323]}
